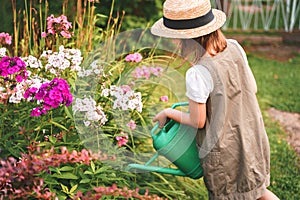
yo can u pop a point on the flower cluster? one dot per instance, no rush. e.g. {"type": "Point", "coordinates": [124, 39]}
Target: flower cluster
{"type": "Point", "coordinates": [32, 62]}
{"type": "Point", "coordinates": [114, 191]}
{"type": "Point", "coordinates": [50, 95]}
{"type": "Point", "coordinates": [134, 57]}
{"type": "Point", "coordinates": [17, 94]}
{"type": "Point", "coordinates": [58, 25]}
{"type": "Point", "coordinates": [125, 97]}
{"type": "Point", "coordinates": [146, 72]}
{"type": "Point", "coordinates": [57, 62]}
{"type": "Point", "coordinates": [13, 68]}
{"type": "Point", "coordinates": [91, 111]}
{"type": "Point", "coordinates": [5, 38]}
{"type": "Point", "coordinates": [14, 74]}
{"type": "Point", "coordinates": [96, 70]}
{"type": "Point", "coordinates": [122, 138]}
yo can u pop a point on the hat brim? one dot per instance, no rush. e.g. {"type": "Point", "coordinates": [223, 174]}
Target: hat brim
{"type": "Point", "coordinates": [159, 29]}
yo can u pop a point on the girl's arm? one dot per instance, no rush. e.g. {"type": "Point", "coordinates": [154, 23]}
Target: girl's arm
{"type": "Point", "coordinates": [195, 118]}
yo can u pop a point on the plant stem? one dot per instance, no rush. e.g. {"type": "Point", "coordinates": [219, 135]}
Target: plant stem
{"type": "Point", "coordinates": [27, 28]}
{"type": "Point", "coordinates": [16, 35]}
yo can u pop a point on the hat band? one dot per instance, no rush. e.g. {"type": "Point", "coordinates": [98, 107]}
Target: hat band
{"type": "Point", "coordinates": [189, 23]}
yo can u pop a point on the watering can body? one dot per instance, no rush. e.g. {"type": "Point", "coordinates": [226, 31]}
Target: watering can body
{"type": "Point", "coordinates": [177, 143]}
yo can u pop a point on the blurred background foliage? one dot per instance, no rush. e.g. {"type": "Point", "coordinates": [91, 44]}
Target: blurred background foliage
{"type": "Point", "coordinates": [137, 13]}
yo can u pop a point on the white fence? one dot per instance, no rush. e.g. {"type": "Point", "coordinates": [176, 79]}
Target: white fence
{"type": "Point", "coordinates": [280, 15]}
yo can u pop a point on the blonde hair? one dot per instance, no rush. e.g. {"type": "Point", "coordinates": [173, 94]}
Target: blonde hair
{"type": "Point", "coordinates": [212, 44]}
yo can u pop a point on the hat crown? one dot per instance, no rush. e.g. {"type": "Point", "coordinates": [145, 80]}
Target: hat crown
{"type": "Point", "coordinates": [185, 9]}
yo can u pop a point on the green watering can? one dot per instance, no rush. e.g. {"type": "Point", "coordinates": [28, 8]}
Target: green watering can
{"type": "Point", "coordinates": [177, 143]}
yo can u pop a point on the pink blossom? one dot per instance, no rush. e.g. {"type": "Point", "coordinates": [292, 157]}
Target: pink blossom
{"type": "Point", "coordinates": [58, 25]}
{"type": "Point", "coordinates": [164, 98]}
{"type": "Point", "coordinates": [5, 38]}
{"type": "Point", "coordinates": [131, 124]}
{"type": "Point", "coordinates": [65, 34]}
{"type": "Point", "coordinates": [125, 88]}
{"type": "Point", "coordinates": [122, 138]}
{"type": "Point", "coordinates": [146, 72]}
{"type": "Point", "coordinates": [135, 57]}
{"type": "Point", "coordinates": [44, 34]}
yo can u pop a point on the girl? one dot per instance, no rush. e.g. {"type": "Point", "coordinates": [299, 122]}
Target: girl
{"type": "Point", "coordinates": [232, 141]}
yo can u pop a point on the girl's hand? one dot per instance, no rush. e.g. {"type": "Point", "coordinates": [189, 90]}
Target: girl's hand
{"type": "Point", "coordinates": [161, 118]}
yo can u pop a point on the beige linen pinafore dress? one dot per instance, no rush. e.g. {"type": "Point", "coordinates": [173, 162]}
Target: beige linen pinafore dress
{"type": "Point", "coordinates": [233, 146]}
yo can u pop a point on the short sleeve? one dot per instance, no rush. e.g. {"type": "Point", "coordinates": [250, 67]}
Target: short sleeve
{"type": "Point", "coordinates": [199, 83]}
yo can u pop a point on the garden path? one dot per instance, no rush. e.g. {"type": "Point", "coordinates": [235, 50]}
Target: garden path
{"type": "Point", "coordinates": [274, 48]}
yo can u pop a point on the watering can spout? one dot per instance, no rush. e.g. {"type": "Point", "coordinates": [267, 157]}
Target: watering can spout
{"type": "Point", "coordinates": [163, 170]}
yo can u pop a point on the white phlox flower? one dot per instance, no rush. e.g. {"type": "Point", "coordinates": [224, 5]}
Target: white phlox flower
{"type": "Point", "coordinates": [91, 112]}
{"type": "Point", "coordinates": [32, 62]}
{"type": "Point", "coordinates": [2, 52]}
{"type": "Point", "coordinates": [18, 95]}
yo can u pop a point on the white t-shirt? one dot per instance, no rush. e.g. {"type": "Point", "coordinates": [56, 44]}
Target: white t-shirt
{"type": "Point", "coordinates": [199, 83]}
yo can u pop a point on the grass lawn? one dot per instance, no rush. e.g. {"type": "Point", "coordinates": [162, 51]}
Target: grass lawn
{"type": "Point", "coordinates": [278, 86]}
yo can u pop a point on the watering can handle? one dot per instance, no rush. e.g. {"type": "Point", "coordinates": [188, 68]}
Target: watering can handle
{"type": "Point", "coordinates": [156, 126]}
{"type": "Point", "coordinates": [180, 104]}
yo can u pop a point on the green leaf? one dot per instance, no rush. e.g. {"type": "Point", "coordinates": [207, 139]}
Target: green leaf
{"type": "Point", "coordinates": [66, 175]}
{"type": "Point", "coordinates": [86, 180]}
{"type": "Point", "coordinates": [67, 111]}
{"type": "Point", "coordinates": [58, 125]}
{"type": "Point", "coordinates": [65, 189]}
{"type": "Point", "coordinates": [102, 169]}
{"type": "Point", "coordinates": [66, 168]}
{"type": "Point", "coordinates": [42, 144]}
{"type": "Point", "coordinates": [52, 139]}
{"type": "Point", "coordinates": [73, 188]}
{"type": "Point", "coordinates": [93, 166]}
{"type": "Point", "coordinates": [88, 172]}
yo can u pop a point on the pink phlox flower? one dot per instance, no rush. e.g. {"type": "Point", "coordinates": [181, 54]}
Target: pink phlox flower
{"type": "Point", "coordinates": [58, 25]}
{"type": "Point", "coordinates": [125, 88]}
{"type": "Point", "coordinates": [122, 138]}
{"type": "Point", "coordinates": [135, 57]}
{"type": "Point", "coordinates": [164, 98]}
{"type": "Point", "coordinates": [65, 34]}
{"type": "Point", "coordinates": [44, 34]}
{"type": "Point", "coordinates": [156, 71]}
{"type": "Point", "coordinates": [146, 72]}
{"type": "Point", "coordinates": [131, 124]}
{"type": "Point", "coordinates": [5, 38]}
{"type": "Point", "coordinates": [138, 73]}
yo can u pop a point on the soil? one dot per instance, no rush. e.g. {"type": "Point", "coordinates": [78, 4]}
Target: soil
{"type": "Point", "coordinates": [275, 47]}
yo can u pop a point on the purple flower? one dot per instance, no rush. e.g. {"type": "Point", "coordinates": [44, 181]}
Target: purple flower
{"type": "Point", "coordinates": [50, 95]}
{"type": "Point", "coordinates": [36, 112]}
{"type": "Point", "coordinates": [14, 67]}
{"type": "Point", "coordinates": [19, 78]}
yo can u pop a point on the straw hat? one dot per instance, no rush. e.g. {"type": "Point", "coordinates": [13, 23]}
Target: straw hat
{"type": "Point", "coordinates": [188, 19]}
